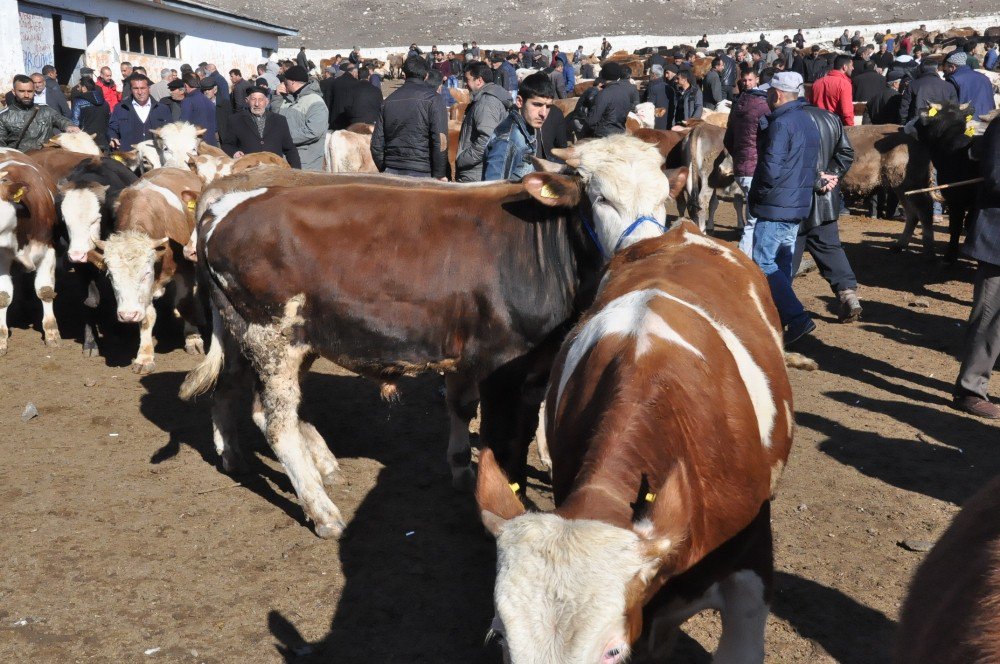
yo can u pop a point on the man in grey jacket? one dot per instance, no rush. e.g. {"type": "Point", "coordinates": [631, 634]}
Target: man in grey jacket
{"type": "Point", "coordinates": [488, 105]}
{"type": "Point", "coordinates": [54, 96]}
{"type": "Point", "coordinates": [301, 103]}
{"type": "Point", "coordinates": [25, 125]}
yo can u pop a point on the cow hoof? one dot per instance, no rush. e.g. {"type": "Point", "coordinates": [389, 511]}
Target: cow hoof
{"type": "Point", "coordinates": [91, 351]}
{"type": "Point", "coordinates": [52, 338]}
{"type": "Point", "coordinates": [332, 530]}
{"type": "Point", "coordinates": [143, 367]}
{"type": "Point", "coordinates": [3, 350]}
{"type": "Point", "coordinates": [464, 480]}
{"type": "Point", "coordinates": [194, 346]}
{"type": "Point", "coordinates": [234, 466]}
{"type": "Point", "coordinates": [332, 479]}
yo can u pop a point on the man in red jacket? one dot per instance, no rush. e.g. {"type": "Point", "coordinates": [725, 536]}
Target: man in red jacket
{"type": "Point", "coordinates": [107, 85]}
{"type": "Point", "coordinates": [834, 92]}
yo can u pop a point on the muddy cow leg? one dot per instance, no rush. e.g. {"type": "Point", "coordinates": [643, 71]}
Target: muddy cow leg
{"type": "Point", "coordinates": [144, 361]}
{"type": "Point", "coordinates": [509, 408]}
{"type": "Point", "coordinates": [462, 398]}
{"type": "Point", "coordinates": [231, 390]}
{"type": "Point", "coordinates": [90, 309]}
{"type": "Point", "coordinates": [6, 295]}
{"type": "Point", "coordinates": [186, 305]}
{"type": "Point", "coordinates": [713, 205]}
{"type": "Point", "coordinates": [326, 462]}
{"type": "Point", "coordinates": [45, 288]}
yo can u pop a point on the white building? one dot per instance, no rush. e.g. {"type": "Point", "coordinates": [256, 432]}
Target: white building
{"type": "Point", "coordinates": [155, 34]}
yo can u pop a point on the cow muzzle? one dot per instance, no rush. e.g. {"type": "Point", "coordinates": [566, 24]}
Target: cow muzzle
{"type": "Point", "coordinates": [77, 256]}
{"type": "Point", "coordinates": [133, 316]}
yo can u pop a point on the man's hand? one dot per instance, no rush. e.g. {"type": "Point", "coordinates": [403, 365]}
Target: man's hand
{"type": "Point", "coordinates": [237, 154]}
{"type": "Point", "coordinates": [831, 182]}
{"type": "Point", "coordinates": [443, 179]}
{"type": "Point", "coordinates": [72, 129]}
{"type": "Point", "coordinates": [115, 143]}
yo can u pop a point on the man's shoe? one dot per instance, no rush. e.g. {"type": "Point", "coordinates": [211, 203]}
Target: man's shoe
{"type": "Point", "coordinates": [798, 329]}
{"type": "Point", "coordinates": [976, 406]}
{"type": "Point", "coordinates": [850, 306]}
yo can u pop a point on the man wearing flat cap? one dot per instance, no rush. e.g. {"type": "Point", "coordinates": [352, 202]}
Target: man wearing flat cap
{"type": "Point", "coordinates": [210, 88]}
{"type": "Point", "coordinates": [257, 129]}
{"type": "Point", "coordinates": [299, 101]}
{"type": "Point", "coordinates": [883, 108]}
{"type": "Point", "coordinates": [972, 87]}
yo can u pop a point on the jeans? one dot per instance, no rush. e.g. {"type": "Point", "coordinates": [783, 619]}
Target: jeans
{"type": "Point", "coordinates": [773, 251]}
{"type": "Point", "coordinates": [746, 241]}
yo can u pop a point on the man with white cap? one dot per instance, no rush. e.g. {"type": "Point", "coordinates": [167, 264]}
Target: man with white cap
{"type": "Point", "coordinates": [973, 87]}
{"type": "Point", "coordinates": [782, 194]}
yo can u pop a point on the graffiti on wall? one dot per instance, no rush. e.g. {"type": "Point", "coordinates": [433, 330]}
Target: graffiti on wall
{"type": "Point", "coordinates": [37, 41]}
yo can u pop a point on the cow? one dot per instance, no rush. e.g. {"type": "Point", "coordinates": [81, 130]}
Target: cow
{"type": "Point", "coordinates": [57, 162]}
{"type": "Point", "coordinates": [154, 220]}
{"type": "Point", "coordinates": [175, 143]}
{"type": "Point", "coordinates": [662, 500]}
{"type": "Point", "coordinates": [395, 64]}
{"type": "Point", "coordinates": [886, 158]}
{"type": "Point", "coordinates": [259, 160]}
{"type": "Point", "coordinates": [75, 142]}
{"type": "Point", "coordinates": [950, 614]}
{"type": "Point", "coordinates": [489, 315]}
{"type": "Point", "coordinates": [27, 225]}
{"type": "Point", "coordinates": [349, 151]}
{"type": "Point", "coordinates": [710, 175]}
{"type": "Point", "coordinates": [210, 167]}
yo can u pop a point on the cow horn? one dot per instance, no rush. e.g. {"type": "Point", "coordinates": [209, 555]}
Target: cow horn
{"type": "Point", "coordinates": [161, 243]}
{"type": "Point", "coordinates": [546, 166]}
{"type": "Point", "coordinates": [99, 244]}
{"type": "Point", "coordinates": [568, 155]}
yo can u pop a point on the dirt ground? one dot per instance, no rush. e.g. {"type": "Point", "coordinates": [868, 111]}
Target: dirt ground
{"type": "Point", "coordinates": [122, 541]}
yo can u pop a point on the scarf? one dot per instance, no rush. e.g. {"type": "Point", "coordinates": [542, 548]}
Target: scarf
{"type": "Point", "coordinates": [259, 121]}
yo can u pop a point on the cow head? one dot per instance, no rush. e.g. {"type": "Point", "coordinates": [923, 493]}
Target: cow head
{"type": "Point", "coordinates": [622, 178]}
{"type": "Point", "coordinates": [76, 142]}
{"type": "Point", "coordinates": [132, 260]}
{"type": "Point", "coordinates": [946, 126]}
{"type": "Point", "coordinates": [210, 167]}
{"type": "Point", "coordinates": [570, 590]}
{"type": "Point", "coordinates": [177, 142]}
{"type": "Point", "coordinates": [81, 210]}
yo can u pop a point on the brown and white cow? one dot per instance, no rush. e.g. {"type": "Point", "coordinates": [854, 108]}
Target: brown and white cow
{"type": "Point", "coordinates": [210, 167]}
{"type": "Point", "coordinates": [155, 218]}
{"type": "Point", "coordinates": [27, 223]}
{"type": "Point", "coordinates": [259, 160]}
{"type": "Point", "coordinates": [175, 143]}
{"type": "Point", "coordinates": [365, 271]}
{"type": "Point", "coordinates": [57, 163]}
{"type": "Point", "coordinates": [662, 494]}
{"type": "Point", "coordinates": [349, 151]}
{"type": "Point", "coordinates": [710, 175]}
{"type": "Point", "coordinates": [952, 612]}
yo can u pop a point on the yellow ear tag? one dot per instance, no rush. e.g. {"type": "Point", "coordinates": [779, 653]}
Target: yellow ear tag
{"type": "Point", "coordinates": [970, 131]}
{"type": "Point", "coordinates": [18, 195]}
{"type": "Point", "coordinates": [650, 497]}
{"type": "Point", "coordinates": [515, 487]}
{"type": "Point", "coordinates": [931, 112]}
{"type": "Point", "coordinates": [117, 157]}
{"type": "Point", "coordinates": [548, 192]}
{"type": "Point", "coordinates": [192, 205]}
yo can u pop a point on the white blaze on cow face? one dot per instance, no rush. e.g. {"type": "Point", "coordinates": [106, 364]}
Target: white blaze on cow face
{"type": "Point", "coordinates": [562, 588]}
{"type": "Point", "coordinates": [179, 142]}
{"type": "Point", "coordinates": [81, 211]}
{"type": "Point", "coordinates": [131, 259]}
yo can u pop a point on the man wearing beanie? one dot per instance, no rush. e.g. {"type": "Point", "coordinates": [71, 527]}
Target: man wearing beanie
{"type": "Point", "coordinates": [299, 101]}
{"type": "Point", "coordinates": [613, 103]}
{"type": "Point", "coordinates": [972, 87]}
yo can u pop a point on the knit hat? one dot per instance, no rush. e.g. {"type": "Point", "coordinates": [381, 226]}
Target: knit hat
{"type": "Point", "coordinates": [611, 71]}
{"type": "Point", "coordinates": [958, 58]}
{"type": "Point", "coordinates": [258, 89]}
{"type": "Point", "coordinates": [670, 67]}
{"type": "Point", "coordinates": [787, 81]}
{"type": "Point", "coordinates": [895, 75]}
{"type": "Point", "coordinates": [297, 73]}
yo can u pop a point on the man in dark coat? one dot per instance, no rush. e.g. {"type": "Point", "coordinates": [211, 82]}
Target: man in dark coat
{"type": "Point", "coordinates": [239, 90]}
{"type": "Point", "coordinates": [782, 194]}
{"type": "Point", "coordinates": [741, 139]}
{"type": "Point", "coordinates": [662, 96]}
{"type": "Point", "coordinates": [342, 92]}
{"type": "Point", "coordinates": [711, 87]}
{"type": "Point", "coordinates": [925, 89]}
{"type": "Point", "coordinates": [90, 112]}
{"type": "Point", "coordinates": [222, 112]}
{"type": "Point", "coordinates": [175, 99]}
{"type": "Point", "coordinates": [613, 104]}
{"type": "Point", "coordinates": [867, 84]}
{"type": "Point", "coordinates": [884, 107]}
{"type": "Point", "coordinates": [410, 136]}
{"type": "Point", "coordinates": [257, 129]}
{"type": "Point", "coordinates": [367, 103]}
{"type": "Point", "coordinates": [198, 109]}
{"type": "Point", "coordinates": [136, 115]}
{"type": "Point", "coordinates": [54, 96]}
{"type": "Point", "coordinates": [222, 85]}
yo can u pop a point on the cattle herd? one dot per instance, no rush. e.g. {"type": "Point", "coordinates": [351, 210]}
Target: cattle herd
{"type": "Point", "coordinates": [513, 292]}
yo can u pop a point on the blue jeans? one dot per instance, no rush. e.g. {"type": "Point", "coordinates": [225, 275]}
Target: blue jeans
{"type": "Point", "coordinates": [746, 240]}
{"type": "Point", "coordinates": [774, 251]}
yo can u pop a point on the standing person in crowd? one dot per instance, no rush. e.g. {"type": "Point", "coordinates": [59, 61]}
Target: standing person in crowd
{"type": "Point", "coordinates": [475, 52]}
{"type": "Point", "coordinates": [982, 337]}
{"type": "Point", "coordinates": [53, 93]}
{"type": "Point", "coordinates": [712, 92]}
{"type": "Point", "coordinates": [819, 232]}
{"type": "Point", "coordinates": [301, 59]}
{"type": "Point", "coordinates": [992, 57]}
{"type": "Point", "coordinates": [366, 101]}
{"type": "Point", "coordinates": [834, 92]}
{"type": "Point", "coordinates": [799, 39]}
{"type": "Point", "coordinates": [198, 109]}
{"type": "Point", "coordinates": [411, 134]}
{"type": "Point", "coordinates": [257, 129]}
{"type": "Point", "coordinates": [300, 103]}
{"type": "Point", "coordinates": [174, 99]}
{"type": "Point", "coordinates": [867, 83]}
{"type": "Point", "coordinates": [25, 125]}
{"type": "Point", "coordinates": [126, 70]}
{"type": "Point", "coordinates": [605, 48]}
{"type": "Point", "coordinates": [240, 87]}
{"type": "Point", "coordinates": [972, 86]}
{"type": "Point", "coordinates": [578, 54]}
{"type": "Point", "coordinates": [689, 100]}
{"type": "Point", "coordinates": [925, 89]}
{"type": "Point", "coordinates": [815, 65]}
{"type": "Point", "coordinates": [781, 195]}
{"type": "Point", "coordinates": [884, 107]}
{"type": "Point", "coordinates": [210, 89]}
{"type": "Point", "coordinates": [435, 79]}
{"type": "Point", "coordinates": [135, 116]}
{"type": "Point", "coordinates": [270, 73]}
{"type": "Point", "coordinates": [615, 101]}
{"type": "Point", "coordinates": [741, 139]}
{"type": "Point", "coordinates": [703, 42]}
{"type": "Point", "coordinates": [516, 140]}
{"type": "Point", "coordinates": [160, 89]}
{"type": "Point", "coordinates": [578, 120]}
{"type": "Point", "coordinates": [661, 95]}
{"type": "Point", "coordinates": [509, 73]}
{"type": "Point", "coordinates": [90, 112]}
{"type": "Point", "coordinates": [222, 85]}
{"type": "Point", "coordinates": [882, 59]}
{"type": "Point", "coordinates": [342, 93]}
{"type": "Point", "coordinates": [488, 106]}
{"type": "Point", "coordinates": [844, 41]}
{"type": "Point", "coordinates": [558, 79]}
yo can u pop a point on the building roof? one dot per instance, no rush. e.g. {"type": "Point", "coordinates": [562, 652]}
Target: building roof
{"type": "Point", "coordinates": [214, 13]}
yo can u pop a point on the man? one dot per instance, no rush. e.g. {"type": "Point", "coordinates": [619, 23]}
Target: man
{"type": "Point", "coordinates": [126, 69]}
{"type": "Point", "coordinates": [741, 139]}
{"type": "Point", "coordinates": [799, 39]}
{"type": "Point", "coordinates": [711, 87]}
{"type": "Point", "coordinates": [240, 87]}
{"type": "Point", "coordinates": [133, 118]}
{"type": "Point", "coordinates": [366, 101]}
{"type": "Point", "coordinates": [615, 101]}
{"type": "Point", "coordinates": [174, 99]}
{"type": "Point", "coordinates": [703, 42]}
{"type": "Point", "coordinates": [411, 134]}
{"type": "Point", "coordinates": [730, 72]}
{"type": "Point", "coordinates": [198, 109]}
{"type": "Point", "coordinates": [269, 73]}
{"type": "Point", "coordinates": [160, 89]}
{"type": "Point", "coordinates": [516, 140]}
{"type": "Point", "coordinates": [508, 73]}
{"type": "Point", "coordinates": [578, 54]}
{"type": "Point", "coordinates": [657, 58]}
{"type": "Point", "coordinates": [474, 52]}
{"type": "Point", "coordinates": [257, 129]}
{"type": "Point", "coordinates": [689, 100]}
{"type": "Point", "coordinates": [992, 57]}
{"type": "Point", "coordinates": [867, 83]}
{"type": "Point", "coordinates": [300, 103]}
{"type": "Point", "coordinates": [982, 338]}
{"type": "Point", "coordinates": [973, 87]}
{"type": "Point", "coordinates": [815, 65]}
{"type": "Point", "coordinates": [26, 126]}
{"type": "Point", "coordinates": [222, 112]}
{"type": "Point", "coordinates": [884, 107]}
{"type": "Point", "coordinates": [558, 79]}
{"type": "Point", "coordinates": [605, 48]}
{"type": "Point", "coordinates": [578, 119]}
{"type": "Point", "coordinates": [834, 93]}
{"type": "Point", "coordinates": [819, 232]}
{"type": "Point", "coordinates": [90, 113]}
{"type": "Point", "coordinates": [844, 41]}
{"type": "Point", "coordinates": [341, 93]}
{"type": "Point", "coordinates": [222, 85]}
{"type": "Point", "coordinates": [488, 106]}
{"type": "Point", "coordinates": [53, 93]}
{"type": "Point", "coordinates": [301, 59]}
{"type": "Point", "coordinates": [661, 95]}
{"type": "Point", "coordinates": [925, 89]}
{"type": "Point", "coordinates": [781, 195]}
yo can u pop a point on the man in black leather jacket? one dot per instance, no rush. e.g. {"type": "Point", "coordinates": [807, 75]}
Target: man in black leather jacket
{"type": "Point", "coordinates": [819, 233]}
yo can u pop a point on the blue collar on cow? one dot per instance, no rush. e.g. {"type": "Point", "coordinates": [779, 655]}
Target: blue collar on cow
{"type": "Point", "coordinates": [643, 219]}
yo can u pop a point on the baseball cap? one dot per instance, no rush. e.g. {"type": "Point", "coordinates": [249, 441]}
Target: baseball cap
{"type": "Point", "coordinates": [787, 81]}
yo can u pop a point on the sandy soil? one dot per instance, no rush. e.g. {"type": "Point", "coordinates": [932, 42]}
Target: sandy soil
{"type": "Point", "coordinates": [122, 541]}
{"type": "Point", "coordinates": [375, 23]}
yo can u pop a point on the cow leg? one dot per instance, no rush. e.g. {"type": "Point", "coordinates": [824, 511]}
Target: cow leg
{"type": "Point", "coordinates": [744, 617]}
{"type": "Point", "coordinates": [958, 219]}
{"type": "Point", "coordinates": [917, 208]}
{"type": "Point", "coordinates": [281, 394]}
{"type": "Point", "coordinates": [6, 295]}
{"type": "Point", "coordinates": [45, 288]}
{"type": "Point", "coordinates": [713, 205]}
{"type": "Point", "coordinates": [144, 361]}
{"type": "Point", "coordinates": [230, 392]}
{"type": "Point", "coordinates": [190, 311]}
{"type": "Point", "coordinates": [739, 203]}
{"type": "Point", "coordinates": [326, 462]}
{"type": "Point", "coordinates": [90, 313]}
{"type": "Point", "coordinates": [542, 440]}
{"type": "Point", "coordinates": [461, 397]}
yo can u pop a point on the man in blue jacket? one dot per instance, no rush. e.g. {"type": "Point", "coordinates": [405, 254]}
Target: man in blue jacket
{"type": "Point", "coordinates": [516, 138]}
{"type": "Point", "coordinates": [134, 117]}
{"type": "Point", "coordinates": [972, 86]}
{"type": "Point", "coordinates": [781, 195]}
{"type": "Point", "coordinates": [198, 109]}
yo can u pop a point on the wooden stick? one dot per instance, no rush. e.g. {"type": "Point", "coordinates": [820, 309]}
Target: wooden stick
{"type": "Point", "coordinates": [945, 186]}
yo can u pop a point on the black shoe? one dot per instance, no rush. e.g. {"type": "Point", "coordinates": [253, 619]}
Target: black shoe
{"type": "Point", "coordinates": [798, 330]}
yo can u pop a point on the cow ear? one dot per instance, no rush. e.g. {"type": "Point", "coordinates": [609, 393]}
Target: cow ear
{"type": "Point", "coordinates": [568, 155]}
{"type": "Point", "coordinates": [101, 190]}
{"type": "Point", "coordinates": [190, 199]}
{"type": "Point", "coordinates": [154, 132]}
{"type": "Point", "coordinates": [201, 131]}
{"type": "Point", "coordinates": [552, 189]}
{"type": "Point", "coordinates": [495, 495]}
{"type": "Point", "coordinates": [160, 245]}
{"type": "Point", "coordinates": [93, 136]}
{"type": "Point", "coordinates": [668, 521]}
{"type": "Point", "coordinates": [677, 177]}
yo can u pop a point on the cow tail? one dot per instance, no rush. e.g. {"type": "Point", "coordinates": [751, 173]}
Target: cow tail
{"type": "Point", "coordinates": [202, 378]}
{"type": "Point", "coordinates": [694, 170]}
{"type": "Point", "coordinates": [801, 362]}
